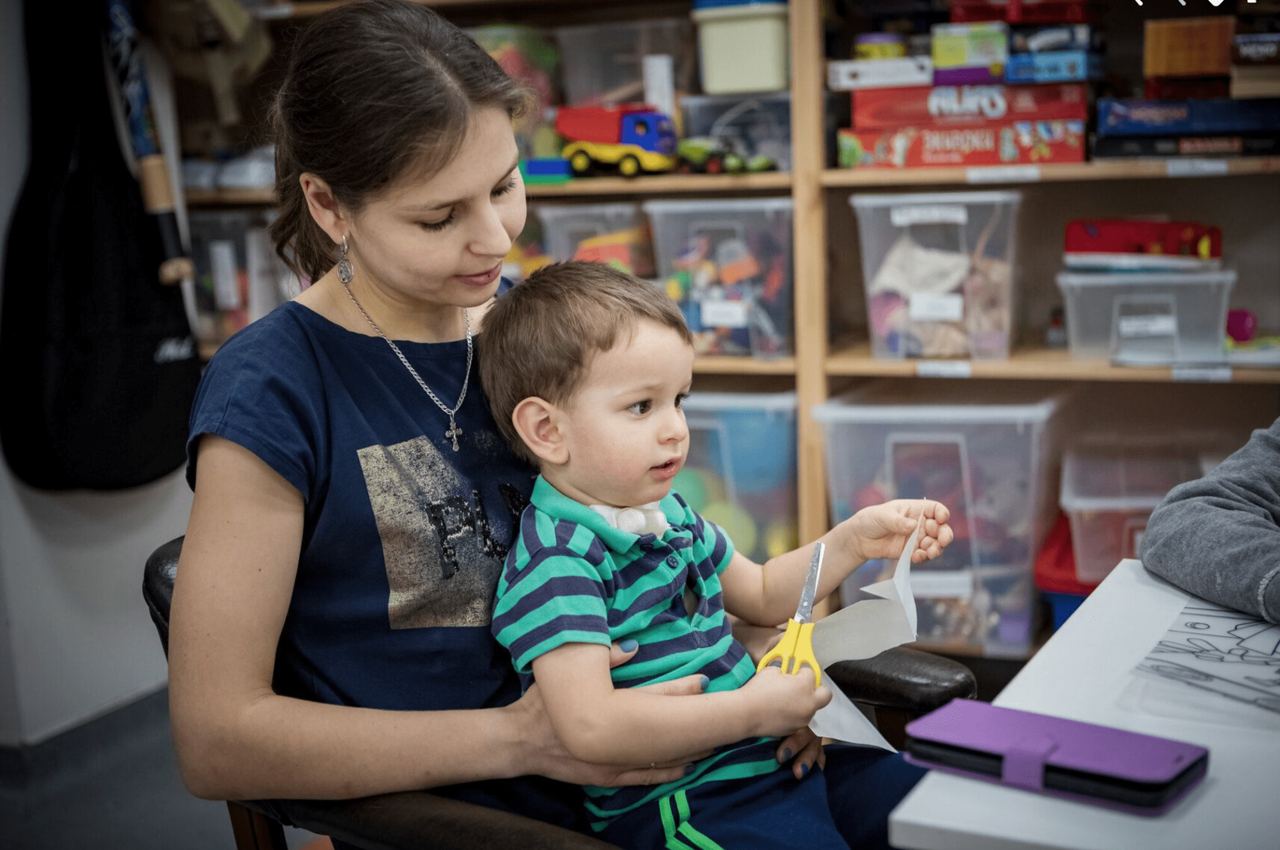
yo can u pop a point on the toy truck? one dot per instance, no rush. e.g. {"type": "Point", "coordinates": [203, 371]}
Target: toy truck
{"type": "Point", "coordinates": [632, 137]}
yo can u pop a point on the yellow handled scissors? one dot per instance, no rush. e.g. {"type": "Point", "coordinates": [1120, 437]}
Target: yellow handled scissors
{"type": "Point", "coordinates": [796, 647]}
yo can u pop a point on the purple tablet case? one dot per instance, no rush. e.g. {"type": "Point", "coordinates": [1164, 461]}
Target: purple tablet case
{"type": "Point", "coordinates": [1027, 745]}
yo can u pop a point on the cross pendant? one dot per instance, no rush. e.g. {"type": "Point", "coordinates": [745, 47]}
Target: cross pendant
{"type": "Point", "coordinates": [453, 433]}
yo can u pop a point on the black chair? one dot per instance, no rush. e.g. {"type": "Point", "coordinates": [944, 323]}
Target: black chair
{"type": "Point", "coordinates": [899, 684]}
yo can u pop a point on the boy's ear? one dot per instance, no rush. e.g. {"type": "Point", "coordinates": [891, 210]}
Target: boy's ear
{"type": "Point", "coordinates": [537, 421]}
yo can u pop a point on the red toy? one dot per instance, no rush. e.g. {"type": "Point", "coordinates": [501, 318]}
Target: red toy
{"type": "Point", "coordinates": [1135, 243]}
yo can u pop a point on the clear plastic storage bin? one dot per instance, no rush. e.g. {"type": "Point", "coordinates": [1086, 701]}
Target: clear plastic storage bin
{"type": "Point", "coordinates": [1148, 317]}
{"type": "Point", "coordinates": [603, 63]}
{"type": "Point", "coordinates": [728, 264]}
{"type": "Point", "coordinates": [1110, 486]}
{"type": "Point", "coordinates": [616, 234]}
{"type": "Point", "coordinates": [751, 126]}
{"type": "Point", "coordinates": [990, 457]}
{"type": "Point", "coordinates": [938, 272]}
{"type": "Point", "coordinates": [743, 45]}
{"type": "Point", "coordinates": [741, 471]}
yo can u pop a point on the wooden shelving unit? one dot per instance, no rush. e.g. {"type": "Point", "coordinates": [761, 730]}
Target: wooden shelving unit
{"type": "Point", "coordinates": [815, 189]}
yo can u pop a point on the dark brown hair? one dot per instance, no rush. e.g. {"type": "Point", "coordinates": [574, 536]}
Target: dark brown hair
{"type": "Point", "coordinates": [539, 338]}
{"type": "Point", "coordinates": [374, 90]}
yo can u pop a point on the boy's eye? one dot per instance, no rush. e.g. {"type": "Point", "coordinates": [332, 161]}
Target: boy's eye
{"type": "Point", "coordinates": [680, 397]}
{"type": "Point", "coordinates": [505, 187]}
{"type": "Point", "coordinates": [640, 408]}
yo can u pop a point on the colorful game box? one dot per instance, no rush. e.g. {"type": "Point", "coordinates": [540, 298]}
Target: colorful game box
{"type": "Point", "coordinates": [1187, 117]}
{"type": "Point", "coordinates": [946, 105]}
{"type": "Point", "coordinates": [989, 143]}
{"type": "Point", "coordinates": [969, 53]}
{"type": "Point", "coordinates": [1056, 66]}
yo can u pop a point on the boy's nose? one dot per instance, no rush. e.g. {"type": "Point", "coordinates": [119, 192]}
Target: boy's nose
{"type": "Point", "coordinates": [675, 429]}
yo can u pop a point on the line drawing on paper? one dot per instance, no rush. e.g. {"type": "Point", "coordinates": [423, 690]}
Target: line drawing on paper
{"type": "Point", "coordinates": [1220, 651]}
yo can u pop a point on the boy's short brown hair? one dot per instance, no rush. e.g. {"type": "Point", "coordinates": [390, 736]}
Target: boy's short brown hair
{"type": "Point", "coordinates": [539, 338]}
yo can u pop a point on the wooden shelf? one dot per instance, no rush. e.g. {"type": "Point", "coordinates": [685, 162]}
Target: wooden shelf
{"type": "Point", "coordinates": [1035, 364]}
{"type": "Point", "coordinates": [708, 365]}
{"type": "Point", "coordinates": [662, 185]}
{"type": "Point", "coordinates": [1110, 169]}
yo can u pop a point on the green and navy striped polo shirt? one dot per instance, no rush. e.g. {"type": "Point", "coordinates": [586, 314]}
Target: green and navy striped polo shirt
{"type": "Point", "coordinates": [571, 577]}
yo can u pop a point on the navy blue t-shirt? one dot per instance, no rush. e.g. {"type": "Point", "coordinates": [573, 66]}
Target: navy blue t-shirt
{"type": "Point", "coordinates": [403, 538]}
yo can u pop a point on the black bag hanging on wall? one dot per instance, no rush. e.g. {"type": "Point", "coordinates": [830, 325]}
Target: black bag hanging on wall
{"type": "Point", "coordinates": [97, 355]}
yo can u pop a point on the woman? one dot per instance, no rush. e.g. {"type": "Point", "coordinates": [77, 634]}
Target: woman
{"type": "Point", "coordinates": [352, 510]}
{"type": "Point", "coordinates": [353, 498]}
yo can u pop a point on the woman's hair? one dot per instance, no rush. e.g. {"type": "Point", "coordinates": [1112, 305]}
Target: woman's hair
{"type": "Point", "coordinates": [540, 337]}
{"type": "Point", "coordinates": [374, 90]}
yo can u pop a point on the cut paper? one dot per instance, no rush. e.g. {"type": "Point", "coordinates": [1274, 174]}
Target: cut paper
{"type": "Point", "coordinates": [863, 630]}
{"type": "Point", "coordinates": [870, 626]}
{"type": "Point", "coordinates": [841, 720]}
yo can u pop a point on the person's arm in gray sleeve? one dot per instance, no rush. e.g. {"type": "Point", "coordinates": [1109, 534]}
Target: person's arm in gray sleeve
{"type": "Point", "coordinates": [1218, 537]}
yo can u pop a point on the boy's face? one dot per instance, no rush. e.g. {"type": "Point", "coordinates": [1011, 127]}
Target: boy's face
{"type": "Point", "coordinates": [624, 427]}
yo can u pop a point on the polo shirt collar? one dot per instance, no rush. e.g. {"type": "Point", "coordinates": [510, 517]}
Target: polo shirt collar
{"type": "Point", "coordinates": [552, 502]}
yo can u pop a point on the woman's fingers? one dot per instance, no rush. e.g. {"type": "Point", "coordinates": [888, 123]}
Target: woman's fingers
{"type": "Point", "coordinates": [620, 653]}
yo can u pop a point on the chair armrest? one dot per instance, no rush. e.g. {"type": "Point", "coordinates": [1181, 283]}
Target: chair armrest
{"type": "Point", "coordinates": [906, 679]}
{"type": "Point", "coordinates": [411, 820]}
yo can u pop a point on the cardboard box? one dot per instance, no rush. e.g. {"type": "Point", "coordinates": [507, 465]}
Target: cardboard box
{"type": "Point", "coordinates": [1122, 117]}
{"type": "Point", "coordinates": [945, 105]}
{"type": "Point", "coordinates": [1188, 47]}
{"type": "Point", "coordinates": [1060, 37]}
{"type": "Point", "coordinates": [1058, 66]}
{"type": "Point", "coordinates": [989, 143]}
{"type": "Point", "coordinates": [966, 54]}
{"type": "Point", "coordinates": [855, 74]}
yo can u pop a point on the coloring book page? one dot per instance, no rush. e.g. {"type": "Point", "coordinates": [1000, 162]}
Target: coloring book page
{"type": "Point", "coordinates": [1213, 664]}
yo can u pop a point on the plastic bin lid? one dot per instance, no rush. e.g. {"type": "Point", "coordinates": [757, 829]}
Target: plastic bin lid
{"type": "Point", "coordinates": [1226, 277]}
{"type": "Point", "coordinates": [710, 402]}
{"type": "Point", "coordinates": [710, 10]}
{"type": "Point", "coordinates": [1106, 474]}
{"type": "Point", "coordinates": [955, 402]}
{"type": "Point", "coordinates": [735, 205]}
{"type": "Point", "coordinates": [869, 201]}
{"type": "Point", "coordinates": [585, 210]}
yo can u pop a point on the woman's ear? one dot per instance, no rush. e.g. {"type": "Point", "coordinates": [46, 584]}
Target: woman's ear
{"type": "Point", "coordinates": [323, 206]}
{"type": "Point", "coordinates": [538, 422]}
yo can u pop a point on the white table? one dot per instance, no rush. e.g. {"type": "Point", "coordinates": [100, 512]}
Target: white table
{"type": "Point", "coordinates": [1080, 673]}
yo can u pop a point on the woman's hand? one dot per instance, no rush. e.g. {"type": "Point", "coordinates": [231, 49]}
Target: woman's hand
{"type": "Point", "coordinates": [880, 531]}
{"type": "Point", "coordinates": [546, 756]}
{"type": "Point", "coordinates": [803, 749]}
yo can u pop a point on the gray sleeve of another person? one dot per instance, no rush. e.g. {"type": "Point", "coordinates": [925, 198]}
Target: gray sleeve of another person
{"type": "Point", "coordinates": [1218, 537]}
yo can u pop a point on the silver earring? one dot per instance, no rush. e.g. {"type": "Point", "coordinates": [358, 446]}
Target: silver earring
{"type": "Point", "coordinates": [344, 264]}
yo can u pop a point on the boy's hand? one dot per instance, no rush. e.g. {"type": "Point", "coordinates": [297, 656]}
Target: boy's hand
{"type": "Point", "coordinates": [880, 531]}
{"type": "Point", "coordinates": [803, 749]}
{"type": "Point", "coordinates": [781, 703]}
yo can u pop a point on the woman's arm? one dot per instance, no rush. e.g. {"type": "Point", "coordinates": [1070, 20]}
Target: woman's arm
{"type": "Point", "coordinates": [599, 723]}
{"type": "Point", "coordinates": [237, 739]}
{"type": "Point", "coordinates": [1219, 536]}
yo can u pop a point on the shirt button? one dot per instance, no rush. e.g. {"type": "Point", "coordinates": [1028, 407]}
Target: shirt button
{"type": "Point", "coordinates": [673, 561]}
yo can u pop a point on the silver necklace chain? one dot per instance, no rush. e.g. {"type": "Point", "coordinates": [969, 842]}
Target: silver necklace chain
{"type": "Point", "coordinates": [454, 431]}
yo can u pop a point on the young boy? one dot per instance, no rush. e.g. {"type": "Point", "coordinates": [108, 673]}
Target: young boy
{"type": "Point", "coordinates": [586, 368]}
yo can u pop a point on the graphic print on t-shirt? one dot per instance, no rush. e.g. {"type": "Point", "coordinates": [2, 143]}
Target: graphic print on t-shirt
{"type": "Point", "coordinates": [442, 553]}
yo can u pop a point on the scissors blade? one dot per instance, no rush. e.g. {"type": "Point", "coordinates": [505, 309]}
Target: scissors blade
{"type": "Point", "coordinates": [805, 609]}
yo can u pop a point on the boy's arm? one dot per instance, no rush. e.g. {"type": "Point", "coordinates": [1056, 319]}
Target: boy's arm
{"type": "Point", "coordinates": [768, 594]}
{"type": "Point", "coordinates": [599, 723]}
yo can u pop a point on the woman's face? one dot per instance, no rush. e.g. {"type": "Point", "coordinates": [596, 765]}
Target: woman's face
{"type": "Point", "coordinates": [442, 239]}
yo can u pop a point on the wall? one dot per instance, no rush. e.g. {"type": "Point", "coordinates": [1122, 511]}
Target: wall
{"type": "Point", "coordinates": [75, 638]}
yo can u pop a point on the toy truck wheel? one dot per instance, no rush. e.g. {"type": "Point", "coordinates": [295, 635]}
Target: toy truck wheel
{"type": "Point", "coordinates": [580, 162]}
{"type": "Point", "coordinates": [715, 165]}
{"type": "Point", "coordinates": [629, 166]}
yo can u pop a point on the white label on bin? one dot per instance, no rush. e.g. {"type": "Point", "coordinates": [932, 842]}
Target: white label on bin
{"type": "Point", "coordinates": [1203, 374]}
{"type": "Point", "coordinates": [951, 584]}
{"type": "Point", "coordinates": [1133, 327]}
{"type": "Point", "coordinates": [944, 369]}
{"type": "Point", "coordinates": [928, 214]}
{"type": "Point", "coordinates": [1195, 167]}
{"type": "Point", "coordinates": [936, 307]}
{"type": "Point", "coordinates": [1002, 174]}
{"type": "Point", "coordinates": [725, 314]}
{"type": "Point", "coordinates": [222, 268]}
